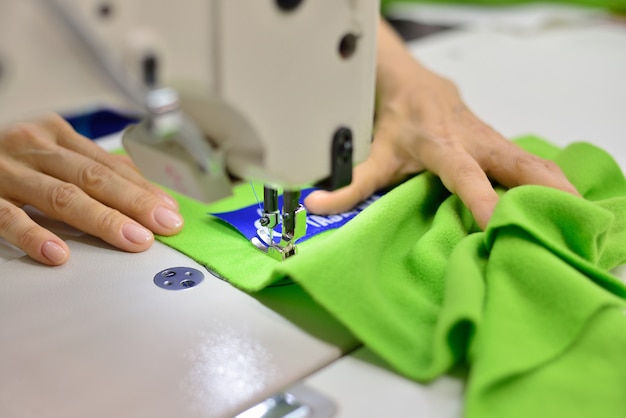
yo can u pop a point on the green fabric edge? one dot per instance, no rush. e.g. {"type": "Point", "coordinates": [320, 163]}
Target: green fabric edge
{"type": "Point", "coordinates": [618, 6]}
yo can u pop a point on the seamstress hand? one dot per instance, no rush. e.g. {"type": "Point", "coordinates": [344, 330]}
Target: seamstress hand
{"type": "Point", "coordinates": [423, 124]}
{"type": "Point", "coordinates": [47, 165]}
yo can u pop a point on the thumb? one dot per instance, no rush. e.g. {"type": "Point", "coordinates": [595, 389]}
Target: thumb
{"type": "Point", "coordinates": [368, 177]}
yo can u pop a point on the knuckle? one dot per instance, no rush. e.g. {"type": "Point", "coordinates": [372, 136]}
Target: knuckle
{"type": "Point", "coordinates": [25, 136]}
{"type": "Point", "coordinates": [54, 118]}
{"type": "Point", "coordinates": [25, 235]}
{"type": "Point", "coordinates": [62, 196]}
{"type": "Point", "coordinates": [466, 170]}
{"type": "Point", "coordinates": [142, 203]}
{"type": "Point", "coordinates": [530, 162]}
{"type": "Point", "coordinates": [360, 193]}
{"type": "Point", "coordinates": [463, 174]}
{"type": "Point", "coordinates": [446, 141]}
{"type": "Point", "coordinates": [22, 131]}
{"type": "Point", "coordinates": [94, 176]}
{"type": "Point", "coordinates": [28, 237]}
{"type": "Point", "coordinates": [120, 164]}
{"type": "Point", "coordinates": [54, 121]}
{"type": "Point", "coordinates": [448, 84]}
{"type": "Point", "coordinates": [483, 131]}
{"type": "Point", "coordinates": [551, 166]}
{"type": "Point", "coordinates": [107, 220]}
{"type": "Point", "coordinates": [9, 215]}
{"type": "Point", "coordinates": [445, 135]}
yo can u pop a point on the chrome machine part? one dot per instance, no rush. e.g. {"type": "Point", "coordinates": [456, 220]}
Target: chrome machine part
{"type": "Point", "coordinates": [293, 217]}
{"type": "Point", "coordinates": [299, 401]}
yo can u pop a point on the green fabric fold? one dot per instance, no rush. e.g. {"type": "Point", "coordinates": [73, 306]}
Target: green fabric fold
{"type": "Point", "coordinates": [528, 305]}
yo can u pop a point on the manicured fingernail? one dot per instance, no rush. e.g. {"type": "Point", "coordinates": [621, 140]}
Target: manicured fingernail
{"type": "Point", "coordinates": [169, 200]}
{"type": "Point", "coordinates": [167, 218]}
{"type": "Point", "coordinates": [53, 252]}
{"type": "Point", "coordinates": [136, 234]}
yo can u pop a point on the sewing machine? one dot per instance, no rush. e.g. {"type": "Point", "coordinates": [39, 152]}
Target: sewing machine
{"type": "Point", "coordinates": [280, 92]}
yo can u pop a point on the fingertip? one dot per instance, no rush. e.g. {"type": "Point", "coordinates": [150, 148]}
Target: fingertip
{"type": "Point", "coordinates": [482, 215]}
{"type": "Point", "coordinates": [54, 253]}
{"type": "Point", "coordinates": [137, 238]}
{"type": "Point", "coordinates": [170, 222]}
{"type": "Point", "coordinates": [322, 202]}
{"type": "Point", "coordinates": [482, 204]}
{"type": "Point", "coordinates": [317, 202]}
{"type": "Point", "coordinates": [570, 188]}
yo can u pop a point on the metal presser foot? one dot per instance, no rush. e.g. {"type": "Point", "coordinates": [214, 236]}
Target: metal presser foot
{"type": "Point", "coordinates": [293, 219]}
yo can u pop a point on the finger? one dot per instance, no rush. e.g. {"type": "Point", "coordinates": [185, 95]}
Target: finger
{"type": "Point", "coordinates": [68, 138]}
{"type": "Point", "coordinates": [68, 203]}
{"type": "Point", "coordinates": [373, 174]}
{"type": "Point", "coordinates": [113, 190]}
{"type": "Point", "coordinates": [40, 244]}
{"type": "Point", "coordinates": [461, 174]}
{"type": "Point", "coordinates": [512, 166]}
{"type": "Point", "coordinates": [125, 167]}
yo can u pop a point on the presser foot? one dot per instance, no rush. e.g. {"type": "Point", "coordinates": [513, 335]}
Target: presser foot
{"type": "Point", "coordinates": [294, 224]}
{"type": "Point", "coordinates": [292, 218]}
{"type": "Point", "coordinates": [276, 251]}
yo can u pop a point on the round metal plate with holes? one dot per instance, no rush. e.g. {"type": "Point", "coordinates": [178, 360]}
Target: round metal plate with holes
{"type": "Point", "coordinates": [178, 278]}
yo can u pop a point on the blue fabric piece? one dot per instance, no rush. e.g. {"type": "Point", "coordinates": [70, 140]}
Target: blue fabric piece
{"type": "Point", "coordinates": [246, 219]}
{"type": "Point", "coordinates": [100, 122]}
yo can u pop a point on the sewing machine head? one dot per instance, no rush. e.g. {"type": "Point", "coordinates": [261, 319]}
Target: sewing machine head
{"type": "Point", "coordinates": [278, 91]}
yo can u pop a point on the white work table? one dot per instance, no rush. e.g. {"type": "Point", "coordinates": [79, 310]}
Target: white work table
{"type": "Point", "coordinates": [98, 338]}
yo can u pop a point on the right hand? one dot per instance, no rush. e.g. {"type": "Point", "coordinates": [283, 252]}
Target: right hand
{"type": "Point", "coordinates": [46, 164]}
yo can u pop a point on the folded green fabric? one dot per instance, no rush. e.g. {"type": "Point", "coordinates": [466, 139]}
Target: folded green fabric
{"type": "Point", "coordinates": [527, 305]}
{"type": "Point", "coordinates": [614, 5]}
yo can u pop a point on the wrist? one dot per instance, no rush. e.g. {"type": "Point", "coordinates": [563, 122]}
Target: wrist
{"type": "Point", "coordinates": [395, 65]}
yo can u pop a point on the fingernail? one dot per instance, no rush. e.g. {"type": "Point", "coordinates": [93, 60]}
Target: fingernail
{"type": "Point", "coordinates": [168, 219]}
{"type": "Point", "coordinates": [169, 200]}
{"type": "Point", "coordinates": [136, 234]}
{"type": "Point", "coordinates": [53, 252]}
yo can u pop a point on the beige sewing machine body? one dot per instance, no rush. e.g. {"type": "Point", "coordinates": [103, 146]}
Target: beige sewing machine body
{"type": "Point", "coordinates": [98, 337]}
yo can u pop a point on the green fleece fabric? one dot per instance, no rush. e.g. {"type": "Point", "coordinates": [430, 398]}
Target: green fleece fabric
{"type": "Point", "coordinates": [528, 305]}
{"type": "Point", "coordinates": [613, 5]}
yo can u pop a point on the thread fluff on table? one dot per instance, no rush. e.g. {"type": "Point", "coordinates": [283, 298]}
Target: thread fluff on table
{"type": "Point", "coordinates": [528, 306]}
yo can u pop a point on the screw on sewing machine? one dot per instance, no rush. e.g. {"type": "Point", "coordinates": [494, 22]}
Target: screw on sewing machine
{"type": "Point", "coordinates": [347, 45]}
{"type": "Point", "coordinates": [105, 10]}
{"type": "Point", "coordinates": [343, 145]}
{"type": "Point", "coordinates": [288, 5]}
